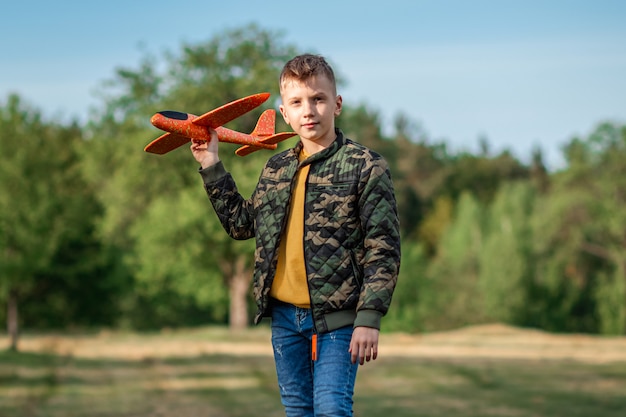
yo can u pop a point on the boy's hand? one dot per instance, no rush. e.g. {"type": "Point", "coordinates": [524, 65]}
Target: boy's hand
{"type": "Point", "coordinates": [206, 152]}
{"type": "Point", "coordinates": [364, 344]}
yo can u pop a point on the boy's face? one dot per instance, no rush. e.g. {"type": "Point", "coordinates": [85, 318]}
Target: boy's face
{"type": "Point", "coordinates": [310, 108]}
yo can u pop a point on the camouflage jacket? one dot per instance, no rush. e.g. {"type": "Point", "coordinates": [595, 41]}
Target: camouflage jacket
{"type": "Point", "coordinates": [352, 238]}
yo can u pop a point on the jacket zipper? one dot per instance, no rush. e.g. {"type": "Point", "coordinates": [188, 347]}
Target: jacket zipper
{"type": "Point", "coordinates": [314, 353]}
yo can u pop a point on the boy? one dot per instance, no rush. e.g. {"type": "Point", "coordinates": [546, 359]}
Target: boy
{"type": "Point", "coordinates": [327, 252]}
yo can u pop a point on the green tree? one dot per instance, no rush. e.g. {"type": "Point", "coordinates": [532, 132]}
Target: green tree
{"type": "Point", "coordinates": [407, 310]}
{"type": "Point", "coordinates": [44, 206]}
{"type": "Point", "coordinates": [481, 175]}
{"type": "Point", "coordinates": [580, 235]}
{"type": "Point", "coordinates": [562, 289]}
{"type": "Point", "coordinates": [175, 254]}
{"type": "Point", "coordinates": [506, 258]}
{"type": "Point", "coordinates": [451, 295]}
{"type": "Point", "coordinates": [435, 224]}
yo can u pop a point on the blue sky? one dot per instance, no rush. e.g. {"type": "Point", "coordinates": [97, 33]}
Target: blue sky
{"type": "Point", "coordinates": [518, 73]}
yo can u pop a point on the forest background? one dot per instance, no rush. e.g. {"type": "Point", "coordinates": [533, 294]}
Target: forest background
{"type": "Point", "coordinates": [96, 233]}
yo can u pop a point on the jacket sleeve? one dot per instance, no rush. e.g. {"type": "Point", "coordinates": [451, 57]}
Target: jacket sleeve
{"type": "Point", "coordinates": [234, 212]}
{"type": "Point", "coordinates": [381, 261]}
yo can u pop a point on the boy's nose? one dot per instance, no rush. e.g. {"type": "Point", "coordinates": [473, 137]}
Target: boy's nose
{"type": "Point", "coordinates": [308, 107]}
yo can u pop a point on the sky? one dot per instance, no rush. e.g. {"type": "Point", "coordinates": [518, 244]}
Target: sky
{"type": "Point", "coordinates": [518, 74]}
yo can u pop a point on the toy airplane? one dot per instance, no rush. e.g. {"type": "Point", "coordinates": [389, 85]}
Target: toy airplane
{"type": "Point", "coordinates": [182, 127]}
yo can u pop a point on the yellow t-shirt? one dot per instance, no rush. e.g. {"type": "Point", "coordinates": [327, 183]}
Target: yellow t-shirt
{"type": "Point", "coordinates": [290, 282]}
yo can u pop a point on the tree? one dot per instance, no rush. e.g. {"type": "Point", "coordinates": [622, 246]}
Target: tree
{"type": "Point", "coordinates": [177, 254]}
{"type": "Point", "coordinates": [408, 312]}
{"type": "Point", "coordinates": [506, 258]}
{"type": "Point", "coordinates": [580, 234]}
{"type": "Point", "coordinates": [452, 296]}
{"type": "Point", "coordinates": [42, 202]}
{"type": "Point", "coordinates": [481, 175]}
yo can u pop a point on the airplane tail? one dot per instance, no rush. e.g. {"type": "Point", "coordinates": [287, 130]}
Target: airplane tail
{"type": "Point", "coordinates": [265, 125]}
{"type": "Point", "coordinates": [264, 133]}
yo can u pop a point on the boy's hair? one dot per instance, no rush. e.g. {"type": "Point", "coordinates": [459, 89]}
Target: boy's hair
{"type": "Point", "coordinates": [306, 66]}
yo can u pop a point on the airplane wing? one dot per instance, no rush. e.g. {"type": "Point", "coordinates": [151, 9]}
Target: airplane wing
{"type": "Point", "coordinates": [214, 119]}
{"type": "Point", "coordinates": [271, 140]}
{"type": "Point", "coordinates": [165, 143]}
{"type": "Point", "coordinates": [230, 111]}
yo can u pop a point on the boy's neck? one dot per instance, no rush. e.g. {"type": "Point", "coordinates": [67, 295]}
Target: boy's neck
{"type": "Point", "coordinates": [313, 147]}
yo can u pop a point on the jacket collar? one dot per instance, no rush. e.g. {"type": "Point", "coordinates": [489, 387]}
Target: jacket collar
{"type": "Point", "coordinates": [323, 154]}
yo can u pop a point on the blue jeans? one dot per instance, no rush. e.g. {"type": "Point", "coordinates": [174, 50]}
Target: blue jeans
{"type": "Point", "coordinates": [311, 388]}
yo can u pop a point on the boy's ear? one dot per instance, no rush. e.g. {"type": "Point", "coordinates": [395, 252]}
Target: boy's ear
{"type": "Point", "coordinates": [338, 104]}
{"type": "Point", "coordinates": [281, 108]}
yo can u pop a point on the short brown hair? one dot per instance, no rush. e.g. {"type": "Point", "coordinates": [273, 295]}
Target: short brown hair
{"type": "Point", "coordinates": [306, 66]}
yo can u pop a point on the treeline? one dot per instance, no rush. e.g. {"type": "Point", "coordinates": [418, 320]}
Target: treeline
{"type": "Point", "coordinates": [95, 232]}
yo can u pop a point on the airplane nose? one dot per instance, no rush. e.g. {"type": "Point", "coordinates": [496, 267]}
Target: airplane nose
{"type": "Point", "coordinates": [167, 120]}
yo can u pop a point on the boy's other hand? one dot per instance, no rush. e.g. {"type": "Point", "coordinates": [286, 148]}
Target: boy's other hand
{"type": "Point", "coordinates": [364, 344]}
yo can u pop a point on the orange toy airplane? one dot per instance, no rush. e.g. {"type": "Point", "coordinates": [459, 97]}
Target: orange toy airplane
{"type": "Point", "coordinates": [182, 127]}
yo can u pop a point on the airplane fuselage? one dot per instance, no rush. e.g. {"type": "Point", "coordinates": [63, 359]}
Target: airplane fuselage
{"type": "Point", "coordinates": [180, 123]}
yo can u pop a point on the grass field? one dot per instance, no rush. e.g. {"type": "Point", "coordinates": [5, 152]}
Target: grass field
{"type": "Point", "coordinates": [479, 371]}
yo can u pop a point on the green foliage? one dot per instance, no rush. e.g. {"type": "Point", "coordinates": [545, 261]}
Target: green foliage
{"type": "Point", "coordinates": [482, 175]}
{"type": "Point", "coordinates": [49, 256]}
{"type": "Point", "coordinates": [562, 283]}
{"type": "Point", "coordinates": [405, 313]}
{"type": "Point", "coordinates": [435, 223]}
{"type": "Point", "coordinates": [506, 258]}
{"type": "Point", "coordinates": [452, 295]}
{"type": "Point", "coordinates": [580, 235]}
{"type": "Point", "coordinates": [176, 255]}
{"type": "Point", "coordinates": [28, 195]}
{"type": "Point", "coordinates": [610, 303]}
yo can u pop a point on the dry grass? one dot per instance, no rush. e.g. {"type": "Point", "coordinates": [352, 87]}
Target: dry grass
{"type": "Point", "coordinates": [478, 371]}
{"type": "Point", "coordinates": [487, 341]}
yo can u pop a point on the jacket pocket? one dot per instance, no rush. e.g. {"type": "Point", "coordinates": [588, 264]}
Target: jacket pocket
{"type": "Point", "coordinates": [357, 269]}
